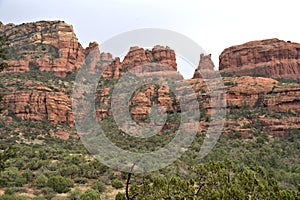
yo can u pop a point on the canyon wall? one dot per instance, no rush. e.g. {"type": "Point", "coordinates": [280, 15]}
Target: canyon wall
{"type": "Point", "coordinates": [48, 45]}
{"type": "Point", "coordinates": [271, 58]}
{"type": "Point", "coordinates": [52, 46]}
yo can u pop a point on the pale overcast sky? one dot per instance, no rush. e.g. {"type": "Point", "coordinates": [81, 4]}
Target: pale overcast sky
{"type": "Point", "coordinates": [213, 24]}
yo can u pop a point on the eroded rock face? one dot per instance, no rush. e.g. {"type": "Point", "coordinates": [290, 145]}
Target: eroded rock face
{"type": "Point", "coordinates": [205, 68]}
{"type": "Point", "coordinates": [262, 92]}
{"type": "Point", "coordinates": [137, 60]}
{"type": "Point", "coordinates": [53, 46]}
{"type": "Point", "coordinates": [138, 56]}
{"type": "Point", "coordinates": [274, 103]}
{"type": "Point", "coordinates": [41, 104]}
{"type": "Point", "coordinates": [267, 58]}
{"type": "Point", "coordinates": [160, 62]}
{"type": "Point", "coordinates": [50, 45]}
{"type": "Point", "coordinates": [206, 62]}
{"type": "Point", "coordinates": [92, 56]}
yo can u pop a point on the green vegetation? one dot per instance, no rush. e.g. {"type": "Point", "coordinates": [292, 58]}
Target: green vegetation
{"type": "Point", "coordinates": [90, 195]}
{"type": "Point", "coordinates": [18, 81]}
{"type": "Point", "coordinates": [100, 186]}
{"type": "Point", "coordinates": [34, 51]}
{"type": "Point", "coordinates": [225, 74]}
{"type": "Point", "coordinates": [7, 153]}
{"type": "Point", "coordinates": [221, 180]}
{"type": "Point", "coordinates": [3, 52]}
{"type": "Point", "coordinates": [60, 184]}
{"type": "Point", "coordinates": [230, 84]}
{"type": "Point", "coordinates": [117, 184]}
{"type": "Point", "coordinates": [65, 166]}
{"type": "Point", "coordinates": [4, 156]}
{"type": "Point", "coordinates": [296, 81]}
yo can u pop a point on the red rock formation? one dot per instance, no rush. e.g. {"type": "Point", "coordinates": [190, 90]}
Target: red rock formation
{"type": "Point", "coordinates": [111, 68]}
{"type": "Point", "coordinates": [51, 45]}
{"type": "Point", "coordinates": [158, 62]}
{"type": "Point", "coordinates": [267, 58]}
{"type": "Point", "coordinates": [151, 95]}
{"type": "Point", "coordinates": [249, 93]}
{"type": "Point", "coordinates": [206, 62]}
{"type": "Point", "coordinates": [92, 48]}
{"type": "Point", "coordinates": [262, 92]}
{"type": "Point", "coordinates": [138, 56]}
{"type": "Point", "coordinates": [205, 68]}
{"type": "Point", "coordinates": [41, 104]}
{"type": "Point", "coordinates": [92, 56]}
{"type": "Point", "coordinates": [138, 60]}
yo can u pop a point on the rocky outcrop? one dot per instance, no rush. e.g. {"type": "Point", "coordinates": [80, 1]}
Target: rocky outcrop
{"type": "Point", "coordinates": [138, 60]}
{"type": "Point", "coordinates": [92, 56]}
{"type": "Point", "coordinates": [255, 103]}
{"type": "Point", "coordinates": [110, 68]}
{"type": "Point", "coordinates": [272, 58]}
{"type": "Point", "coordinates": [257, 92]}
{"type": "Point", "coordinates": [41, 104]}
{"type": "Point", "coordinates": [248, 91]}
{"type": "Point", "coordinates": [276, 105]}
{"type": "Point", "coordinates": [50, 45]}
{"type": "Point", "coordinates": [205, 68]}
{"type": "Point", "coordinates": [38, 102]}
{"type": "Point", "coordinates": [138, 56]}
{"type": "Point", "coordinates": [206, 62]}
{"type": "Point", "coordinates": [158, 62]}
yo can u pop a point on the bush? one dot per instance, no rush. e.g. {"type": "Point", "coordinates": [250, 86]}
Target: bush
{"type": "Point", "coordinates": [117, 184]}
{"type": "Point", "coordinates": [28, 175]}
{"type": "Point", "coordinates": [9, 177]}
{"type": "Point", "coordinates": [9, 191]}
{"type": "Point", "coordinates": [18, 190]}
{"type": "Point", "coordinates": [41, 181]}
{"type": "Point", "coordinates": [99, 186]}
{"type": "Point", "coordinates": [9, 197]}
{"type": "Point", "coordinates": [74, 195]}
{"type": "Point", "coordinates": [90, 195]}
{"type": "Point", "coordinates": [20, 181]}
{"type": "Point", "coordinates": [120, 196]}
{"type": "Point", "coordinates": [35, 164]}
{"type": "Point", "coordinates": [60, 184]}
{"type": "Point", "coordinates": [48, 192]}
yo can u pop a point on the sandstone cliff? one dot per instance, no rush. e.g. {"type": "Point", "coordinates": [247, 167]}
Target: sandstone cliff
{"type": "Point", "coordinates": [137, 59]}
{"type": "Point", "coordinates": [160, 61]}
{"type": "Point", "coordinates": [268, 58]}
{"type": "Point", "coordinates": [50, 45]}
{"type": "Point", "coordinates": [256, 101]}
{"type": "Point", "coordinates": [53, 47]}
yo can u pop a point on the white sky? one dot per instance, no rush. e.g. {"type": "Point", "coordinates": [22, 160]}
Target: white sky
{"type": "Point", "coordinates": [213, 24]}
